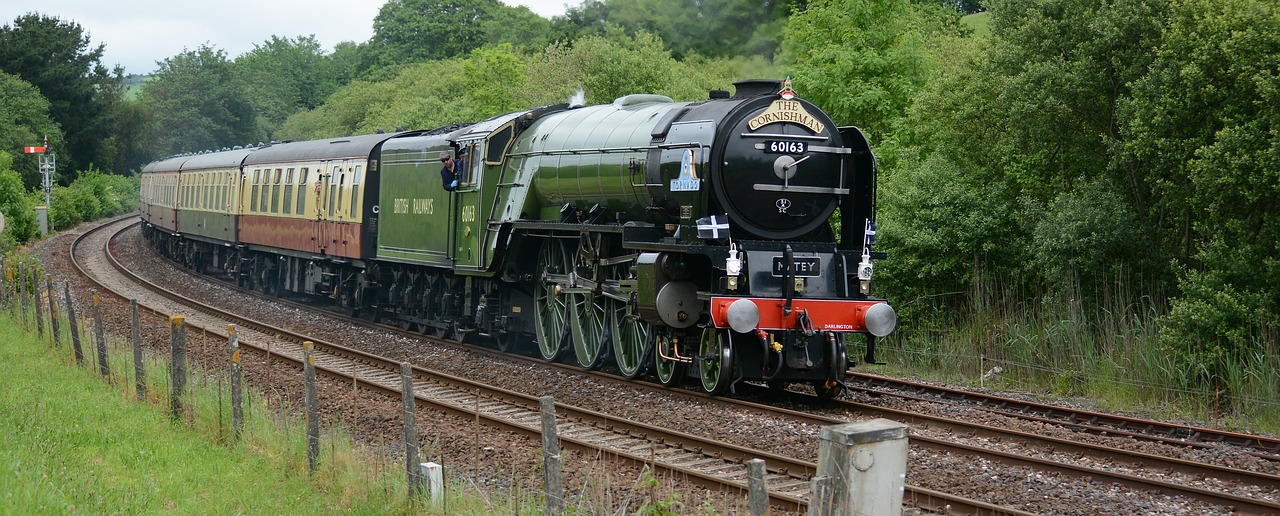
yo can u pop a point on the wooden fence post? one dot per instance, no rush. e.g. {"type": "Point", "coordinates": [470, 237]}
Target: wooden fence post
{"type": "Point", "coordinates": [139, 371]}
{"type": "Point", "coordinates": [237, 403]}
{"type": "Point", "coordinates": [22, 291]}
{"type": "Point", "coordinates": [409, 410]}
{"type": "Point", "coordinates": [53, 310]}
{"type": "Point", "coordinates": [313, 406]}
{"type": "Point", "coordinates": [103, 367]}
{"type": "Point", "coordinates": [552, 465]}
{"type": "Point", "coordinates": [73, 323]}
{"type": "Point", "coordinates": [35, 286]}
{"type": "Point", "coordinates": [757, 489]}
{"type": "Point", "coordinates": [177, 364]}
{"type": "Point", "coordinates": [4, 284]}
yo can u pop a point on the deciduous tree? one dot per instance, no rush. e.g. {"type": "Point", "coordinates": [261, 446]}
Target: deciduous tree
{"type": "Point", "coordinates": [56, 56]}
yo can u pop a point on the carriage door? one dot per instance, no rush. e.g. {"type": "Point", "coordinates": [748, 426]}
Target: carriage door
{"type": "Point", "coordinates": [469, 221]}
{"type": "Point", "coordinates": [323, 194]}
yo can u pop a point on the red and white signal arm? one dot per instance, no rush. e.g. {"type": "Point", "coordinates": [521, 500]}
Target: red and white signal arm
{"type": "Point", "coordinates": [34, 150]}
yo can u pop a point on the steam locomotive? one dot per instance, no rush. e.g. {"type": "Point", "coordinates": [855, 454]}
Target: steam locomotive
{"type": "Point", "coordinates": [692, 240]}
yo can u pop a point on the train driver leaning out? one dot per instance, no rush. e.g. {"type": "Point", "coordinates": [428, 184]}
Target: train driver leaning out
{"type": "Point", "coordinates": [452, 171]}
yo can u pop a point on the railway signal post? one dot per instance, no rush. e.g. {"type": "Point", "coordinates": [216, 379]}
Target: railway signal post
{"type": "Point", "coordinates": [48, 168]}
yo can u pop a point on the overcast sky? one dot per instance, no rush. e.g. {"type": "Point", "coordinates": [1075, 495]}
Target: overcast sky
{"type": "Point", "coordinates": [138, 33]}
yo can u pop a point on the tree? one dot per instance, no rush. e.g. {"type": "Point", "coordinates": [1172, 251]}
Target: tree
{"type": "Point", "coordinates": [863, 60]}
{"type": "Point", "coordinates": [24, 121]}
{"type": "Point", "coordinates": [517, 26]}
{"type": "Point", "coordinates": [55, 56]}
{"type": "Point", "coordinates": [708, 27]}
{"type": "Point", "coordinates": [282, 76]}
{"type": "Point", "coordinates": [19, 216]}
{"type": "Point", "coordinates": [196, 102]}
{"type": "Point", "coordinates": [410, 31]}
{"type": "Point", "coordinates": [1202, 131]}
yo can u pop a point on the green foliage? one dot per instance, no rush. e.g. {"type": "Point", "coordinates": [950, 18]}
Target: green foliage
{"type": "Point", "coordinates": [1089, 232]}
{"type": "Point", "coordinates": [24, 121]}
{"type": "Point", "coordinates": [942, 225]}
{"type": "Point", "coordinates": [517, 26]}
{"type": "Point", "coordinates": [610, 66]}
{"type": "Point", "coordinates": [283, 76]}
{"type": "Point", "coordinates": [500, 79]}
{"type": "Point", "coordinates": [1203, 129]}
{"type": "Point", "coordinates": [719, 28]}
{"type": "Point", "coordinates": [863, 60]}
{"type": "Point", "coordinates": [196, 102]}
{"type": "Point", "coordinates": [492, 78]}
{"type": "Point", "coordinates": [55, 56]}
{"type": "Point", "coordinates": [20, 223]}
{"type": "Point", "coordinates": [413, 31]}
{"type": "Point", "coordinates": [92, 197]}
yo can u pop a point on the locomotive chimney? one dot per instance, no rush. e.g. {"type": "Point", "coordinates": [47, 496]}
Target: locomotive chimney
{"type": "Point", "coordinates": [753, 87]}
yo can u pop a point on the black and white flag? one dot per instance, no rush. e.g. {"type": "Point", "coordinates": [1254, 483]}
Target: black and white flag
{"type": "Point", "coordinates": [715, 226]}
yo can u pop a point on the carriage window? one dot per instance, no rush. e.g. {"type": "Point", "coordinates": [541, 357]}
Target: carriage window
{"type": "Point", "coordinates": [266, 191]}
{"type": "Point", "coordinates": [288, 192]}
{"type": "Point", "coordinates": [302, 191]}
{"type": "Point", "coordinates": [275, 192]}
{"type": "Point", "coordinates": [253, 196]}
{"type": "Point", "coordinates": [355, 190]}
{"type": "Point", "coordinates": [207, 198]}
{"type": "Point", "coordinates": [342, 188]}
{"type": "Point", "coordinates": [333, 189]}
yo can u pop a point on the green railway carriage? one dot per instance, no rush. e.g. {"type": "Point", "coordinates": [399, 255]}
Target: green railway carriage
{"type": "Point", "coordinates": [208, 191]}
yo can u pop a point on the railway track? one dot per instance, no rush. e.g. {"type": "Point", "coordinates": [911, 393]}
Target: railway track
{"type": "Point", "coordinates": [1079, 420]}
{"type": "Point", "coordinates": [789, 475]}
{"type": "Point", "coordinates": [707, 462]}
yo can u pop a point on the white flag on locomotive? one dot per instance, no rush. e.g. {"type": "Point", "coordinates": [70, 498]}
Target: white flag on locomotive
{"type": "Point", "coordinates": [715, 226]}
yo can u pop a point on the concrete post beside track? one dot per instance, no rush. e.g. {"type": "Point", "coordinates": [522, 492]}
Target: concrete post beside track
{"type": "Point", "coordinates": [312, 406]}
{"type": "Point", "coordinates": [757, 489]}
{"type": "Point", "coordinates": [867, 463]}
{"type": "Point", "coordinates": [553, 465]}
{"type": "Point", "coordinates": [409, 410]}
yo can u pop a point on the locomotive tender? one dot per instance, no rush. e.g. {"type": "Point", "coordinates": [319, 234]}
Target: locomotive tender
{"type": "Point", "coordinates": [690, 239]}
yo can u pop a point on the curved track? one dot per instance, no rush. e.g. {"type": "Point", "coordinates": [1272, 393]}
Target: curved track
{"type": "Point", "coordinates": [789, 476]}
{"type": "Point", "coordinates": [714, 464]}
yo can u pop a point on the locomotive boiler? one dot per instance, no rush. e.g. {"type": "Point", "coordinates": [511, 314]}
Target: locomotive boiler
{"type": "Point", "coordinates": [692, 240]}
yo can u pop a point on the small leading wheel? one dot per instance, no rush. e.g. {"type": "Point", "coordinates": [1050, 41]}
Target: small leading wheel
{"type": "Point", "coordinates": [715, 367]}
{"type": "Point", "coordinates": [514, 342]}
{"type": "Point", "coordinates": [669, 371]}
{"type": "Point", "coordinates": [827, 389]}
{"type": "Point", "coordinates": [551, 314]}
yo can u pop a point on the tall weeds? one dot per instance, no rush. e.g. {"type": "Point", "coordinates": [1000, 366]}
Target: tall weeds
{"type": "Point", "coordinates": [1097, 341]}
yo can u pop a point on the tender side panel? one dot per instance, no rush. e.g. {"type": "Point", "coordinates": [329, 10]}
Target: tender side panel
{"type": "Point", "coordinates": [414, 210]}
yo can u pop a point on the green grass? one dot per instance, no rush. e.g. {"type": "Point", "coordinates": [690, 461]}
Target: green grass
{"type": "Point", "coordinates": [979, 22]}
{"type": "Point", "coordinates": [75, 443]}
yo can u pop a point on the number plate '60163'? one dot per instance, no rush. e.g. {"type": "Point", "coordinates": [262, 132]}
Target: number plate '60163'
{"type": "Point", "coordinates": [784, 147]}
